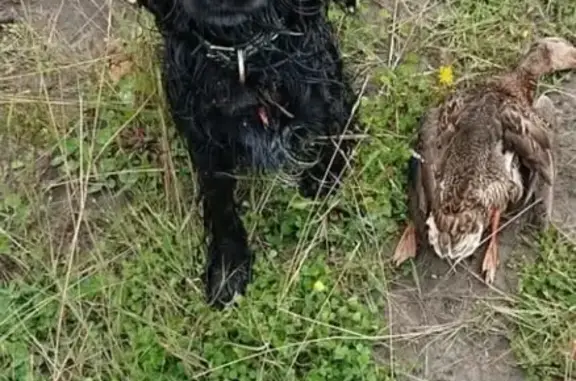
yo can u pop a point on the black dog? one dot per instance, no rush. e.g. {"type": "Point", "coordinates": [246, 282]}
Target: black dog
{"type": "Point", "coordinates": [253, 84]}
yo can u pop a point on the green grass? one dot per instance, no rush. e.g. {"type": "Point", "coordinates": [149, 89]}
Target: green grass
{"type": "Point", "coordinates": [98, 208]}
{"type": "Point", "coordinates": [546, 312]}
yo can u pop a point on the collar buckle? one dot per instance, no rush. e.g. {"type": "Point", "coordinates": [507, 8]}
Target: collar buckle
{"type": "Point", "coordinates": [228, 54]}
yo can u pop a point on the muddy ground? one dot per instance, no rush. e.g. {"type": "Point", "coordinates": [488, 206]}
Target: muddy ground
{"type": "Point", "coordinates": [436, 312]}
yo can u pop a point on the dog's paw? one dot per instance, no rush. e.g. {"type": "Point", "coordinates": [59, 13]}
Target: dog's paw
{"type": "Point", "coordinates": [225, 279]}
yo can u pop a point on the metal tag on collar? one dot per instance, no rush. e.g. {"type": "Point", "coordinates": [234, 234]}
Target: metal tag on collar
{"type": "Point", "coordinates": [241, 65]}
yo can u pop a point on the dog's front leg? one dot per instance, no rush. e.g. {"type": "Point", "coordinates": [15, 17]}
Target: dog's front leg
{"type": "Point", "coordinates": [229, 261]}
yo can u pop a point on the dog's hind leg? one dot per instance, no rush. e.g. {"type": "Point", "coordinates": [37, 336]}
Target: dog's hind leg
{"type": "Point", "coordinates": [326, 176]}
{"type": "Point", "coordinates": [229, 260]}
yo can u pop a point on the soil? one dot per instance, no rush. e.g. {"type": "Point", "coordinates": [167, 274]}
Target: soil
{"type": "Point", "coordinates": [79, 26]}
{"type": "Point", "coordinates": [437, 314]}
{"type": "Point", "coordinates": [72, 34]}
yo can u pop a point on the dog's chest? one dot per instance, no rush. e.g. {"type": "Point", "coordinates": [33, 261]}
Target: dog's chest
{"type": "Point", "coordinates": [257, 120]}
{"type": "Point", "coordinates": [270, 103]}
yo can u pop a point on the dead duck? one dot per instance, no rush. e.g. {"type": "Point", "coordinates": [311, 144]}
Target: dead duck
{"type": "Point", "coordinates": [483, 150]}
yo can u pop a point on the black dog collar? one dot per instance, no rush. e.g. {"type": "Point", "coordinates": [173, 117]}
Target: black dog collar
{"type": "Point", "coordinates": [230, 55]}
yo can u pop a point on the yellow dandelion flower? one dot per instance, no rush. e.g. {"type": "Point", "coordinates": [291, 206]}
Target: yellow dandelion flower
{"type": "Point", "coordinates": [319, 286]}
{"type": "Point", "coordinates": [446, 75]}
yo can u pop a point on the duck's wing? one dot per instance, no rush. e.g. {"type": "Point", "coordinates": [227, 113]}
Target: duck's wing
{"type": "Point", "coordinates": [420, 179]}
{"type": "Point", "coordinates": [528, 134]}
{"type": "Point", "coordinates": [435, 133]}
{"type": "Point", "coordinates": [542, 212]}
{"type": "Point", "coordinates": [431, 135]}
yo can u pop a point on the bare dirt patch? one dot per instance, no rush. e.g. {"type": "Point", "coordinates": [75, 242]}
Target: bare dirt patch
{"type": "Point", "coordinates": [47, 45]}
{"type": "Point", "coordinates": [48, 50]}
{"type": "Point", "coordinates": [565, 193]}
{"type": "Point", "coordinates": [80, 26]}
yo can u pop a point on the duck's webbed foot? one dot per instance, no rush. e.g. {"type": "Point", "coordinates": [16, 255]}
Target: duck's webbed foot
{"type": "Point", "coordinates": [406, 247]}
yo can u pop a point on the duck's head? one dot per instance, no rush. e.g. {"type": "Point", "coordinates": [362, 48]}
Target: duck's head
{"type": "Point", "coordinates": [456, 235]}
{"type": "Point", "coordinates": [549, 55]}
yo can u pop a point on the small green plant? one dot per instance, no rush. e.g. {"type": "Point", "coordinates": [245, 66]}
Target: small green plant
{"type": "Point", "coordinates": [110, 146]}
{"type": "Point", "coordinates": [153, 327]}
{"type": "Point", "coordinates": [545, 314]}
{"type": "Point", "coordinates": [315, 332]}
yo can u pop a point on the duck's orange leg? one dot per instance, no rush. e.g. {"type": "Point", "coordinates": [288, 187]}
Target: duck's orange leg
{"type": "Point", "coordinates": [491, 257]}
{"type": "Point", "coordinates": [406, 247]}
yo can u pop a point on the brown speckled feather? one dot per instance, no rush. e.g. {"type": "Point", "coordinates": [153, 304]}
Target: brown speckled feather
{"type": "Point", "coordinates": [528, 134]}
{"type": "Point", "coordinates": [463, 155]}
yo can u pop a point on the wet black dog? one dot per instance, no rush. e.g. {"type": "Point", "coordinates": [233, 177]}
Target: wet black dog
{"type": "Point", "coordinates": [259, 85]}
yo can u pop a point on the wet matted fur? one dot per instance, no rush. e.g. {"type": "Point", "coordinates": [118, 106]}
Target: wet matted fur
{"type": "Point", "coordinates": [253, 85]}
